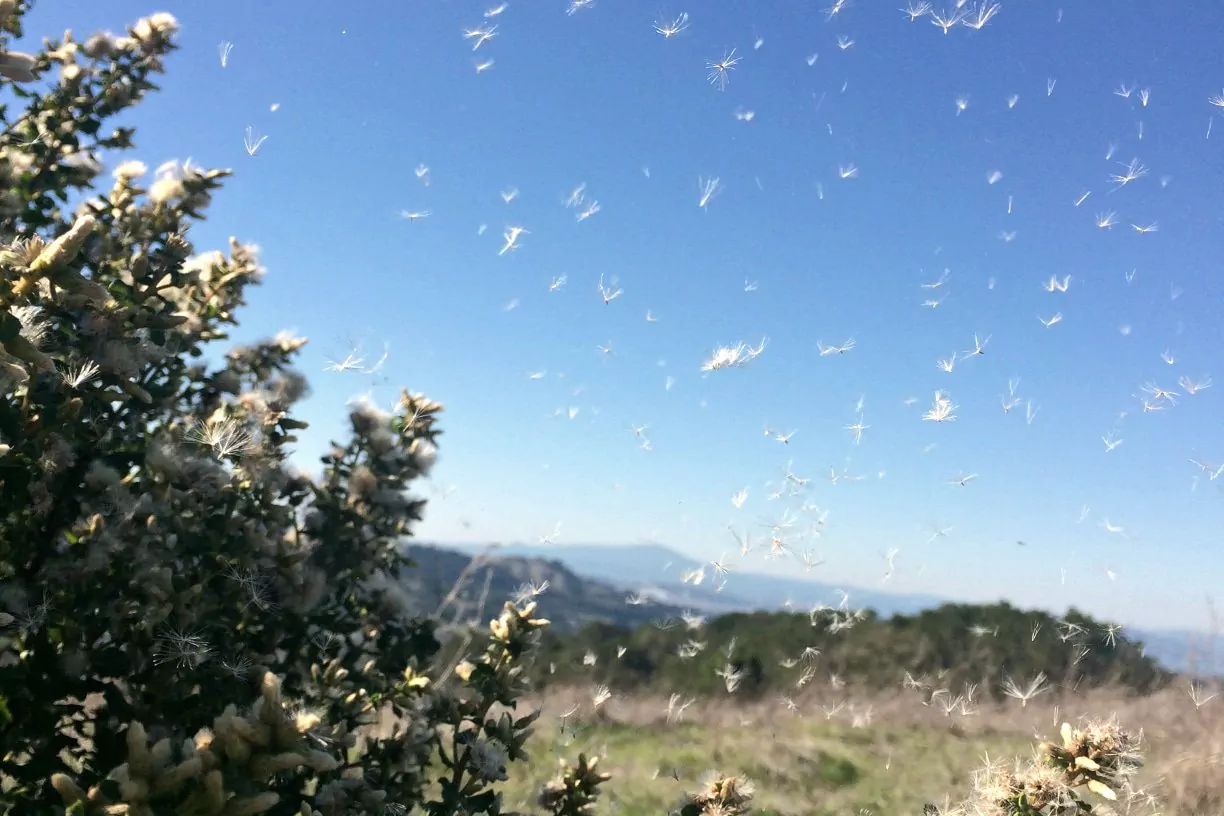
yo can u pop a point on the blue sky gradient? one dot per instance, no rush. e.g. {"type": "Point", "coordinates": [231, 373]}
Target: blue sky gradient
{"type": "Point", "coordinates": [368, 92]}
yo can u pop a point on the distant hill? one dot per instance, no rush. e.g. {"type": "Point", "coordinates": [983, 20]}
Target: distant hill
{"type": "Point", "coordinates": [655, 567]}
{"type": "Point", "coordinates": [569, 601]}
{"type": "Point", "coordinates": [653, 571]}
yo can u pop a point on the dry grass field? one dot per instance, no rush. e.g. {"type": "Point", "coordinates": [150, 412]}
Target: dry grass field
{"type": "Point", "coordinates": [852, 756]}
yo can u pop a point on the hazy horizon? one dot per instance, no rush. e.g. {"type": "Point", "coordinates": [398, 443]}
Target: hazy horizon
{"type": "Point", "coordinates": [779, 569]}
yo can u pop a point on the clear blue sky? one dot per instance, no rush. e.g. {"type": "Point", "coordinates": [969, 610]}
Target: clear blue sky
{"type": "Point", "coordinates": [367, 92]}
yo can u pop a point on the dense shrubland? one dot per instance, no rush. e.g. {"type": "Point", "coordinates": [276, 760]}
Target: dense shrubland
{"type": "Point", "coordinates": [770, 652]}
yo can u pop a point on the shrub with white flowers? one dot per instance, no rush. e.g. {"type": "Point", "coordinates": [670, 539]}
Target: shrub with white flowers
{"type": "Point", "coordinates": [188, 625]}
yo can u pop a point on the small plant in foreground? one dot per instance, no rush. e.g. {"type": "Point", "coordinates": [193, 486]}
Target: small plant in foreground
{"type": "Point", "coordinates": [718, 795]}
{"type": "Point", "coordinates": [574, 791]}
{"type": "Point", "coordinates": [1098, 759]}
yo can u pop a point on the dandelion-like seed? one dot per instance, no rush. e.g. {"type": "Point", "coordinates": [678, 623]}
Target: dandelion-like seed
{"type": "Point", "coordinates": [609, 293]}
{"type": "Point", "coordinates": [948, 20]}
{"type": "Point", "coordinates": [710, 187]}
{"type": "Point", "coordinates": [731, 677]}
{"type": "Point", "coordinates": [1027, 692]}
{"type": "Point", "coordinates": [226, 437]}
{"type": "Point", "coordinates": [511, 236]}
{"type": "Point", "coordinates": [837, 8]}
{"type": "Point", "coordinates": [576, 6]}
{"type": "Point", "coordinates": [253, 141]}
{"type": "Point", "coordinates": [481, 35]}
{"type": "Point", "coordinates": [326, 640]}
{"type": "Point", "coordinates": [941, 409]}
{"type": "Point", "coordinates": [591, 208]}
{"type": "Point", "coordinates": [980, 15]}
{"type": "Point", "coordinates": [353, 361]}
{"type": "Point", "coordinates": [184, 649]}
{"type": "Point", "coordinates": [76, 376]}
{"type": "Point", "coordinates": [576, 196]}
{"type": "Point", "coordinates": [916, 10]}
{"type": "Point", "coordinates": [257, 588]}
{"type": "Point", "coordinates": [857, 429]}
{"type": "Point", "coordinates": [237, 667]}
{"type": "Point", "coordinates": [676, 707]}
{"type": "Point", "coordinates": [1135, 170]}
{"type": "Point", "coordinates": [979, 347]}
{"type": "Point", "coordinates": [672, 28]}
{"type": "Point", "coordinates": [1056, 285]}
{"type": "Point", "coordinates": [720, 71]}
{"type": "Point", "coordinates": [845, 347]}
{"type": "Point", "coordinates": [225, 48]}
{"type": "Point", "coordinates": [732, 356]}
{"type": "Point", "coordinates": [1192, 387]}
{"type": "Point", "coordinates": [1198, 696]}
{"type": "Point", "coordinates": [31, 617]}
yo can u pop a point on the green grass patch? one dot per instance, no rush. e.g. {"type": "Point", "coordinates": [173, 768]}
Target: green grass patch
{"type": "Point", "coordinates": [800, 768]}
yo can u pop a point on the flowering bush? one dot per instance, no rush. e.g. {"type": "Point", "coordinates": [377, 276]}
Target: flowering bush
{"type": "Point", "coordinates": [187, 624]}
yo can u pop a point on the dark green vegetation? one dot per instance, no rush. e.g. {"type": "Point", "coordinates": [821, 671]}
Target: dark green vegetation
{"type": "Point", "coordinates": [667, 649]}
{"type": "Point", "coordinates": [952, 645]}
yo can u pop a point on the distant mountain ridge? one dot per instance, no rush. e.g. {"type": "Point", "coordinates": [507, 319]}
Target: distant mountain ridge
{"type": "Point", "coordinates": [452, 584]}
{"type": "Point", "coordinates": [647, 567]}
{"type": "Point", "coordinates": [653, 571]}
